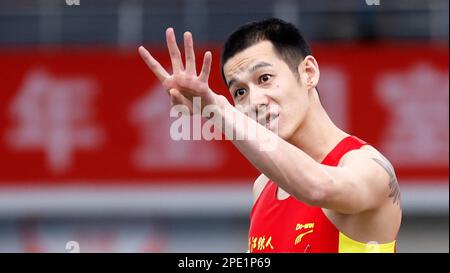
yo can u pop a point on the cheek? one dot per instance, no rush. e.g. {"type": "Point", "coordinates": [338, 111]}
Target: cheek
{"type": "Point", "coordinates": [241, 108]}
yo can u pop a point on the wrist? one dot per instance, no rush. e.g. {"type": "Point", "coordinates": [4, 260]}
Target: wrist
{"type": "Point", "coordinates": [221, 101]}
{"type": "Point", "coordinates": [217, 104]}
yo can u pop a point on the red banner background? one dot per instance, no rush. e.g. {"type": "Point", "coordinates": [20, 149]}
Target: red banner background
{"type": "Point", "coordinates": [98, 115]}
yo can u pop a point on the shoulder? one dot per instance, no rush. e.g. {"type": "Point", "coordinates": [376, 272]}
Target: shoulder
{"type": "Point", "coordinates": [366, 154]}
{"type": "Point", "coordinates": [259, 185]}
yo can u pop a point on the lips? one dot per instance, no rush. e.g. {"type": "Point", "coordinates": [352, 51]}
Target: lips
{"type": "Point", "coordinates": [267, 119]}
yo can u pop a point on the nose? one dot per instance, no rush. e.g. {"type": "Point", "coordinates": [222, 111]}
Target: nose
{"type": "Point", "coordinates": [258, 100]}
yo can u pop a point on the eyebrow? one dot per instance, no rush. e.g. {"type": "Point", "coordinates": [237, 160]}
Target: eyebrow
{"type": "Point", "coordinates": [258, 66]}
{"type": "Point", "coordinates": [252, 69]}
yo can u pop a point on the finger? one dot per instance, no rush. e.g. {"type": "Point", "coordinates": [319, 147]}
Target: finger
{"type": "Point", "coordinates": [189, 53]}
{"type": "Point", "coordinates": [206, 68]}
{"type": "Point", "coordinates": [175, 55]}
{"type": "Point", "coordinates": [153, 64]}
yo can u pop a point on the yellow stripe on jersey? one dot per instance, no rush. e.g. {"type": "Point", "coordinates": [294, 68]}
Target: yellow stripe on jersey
{"type": "Point", "coordinates": [348, 245]}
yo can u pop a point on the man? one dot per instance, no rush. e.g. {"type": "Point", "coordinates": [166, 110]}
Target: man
{"type": "Point", "coordinates": [320, 189]}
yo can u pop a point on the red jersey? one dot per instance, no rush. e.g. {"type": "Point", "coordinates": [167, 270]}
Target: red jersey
{"type": "Point", "coordinates": [292, 226]}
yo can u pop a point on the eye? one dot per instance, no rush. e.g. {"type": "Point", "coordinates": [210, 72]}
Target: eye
{"type": "Point", "coordinates": [239, 92]}
{"type": "Point", "coordinates": [264, 78]}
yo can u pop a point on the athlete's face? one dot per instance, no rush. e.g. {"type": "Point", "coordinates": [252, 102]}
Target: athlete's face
{"type": "Point", "coordinates": [260, 82]}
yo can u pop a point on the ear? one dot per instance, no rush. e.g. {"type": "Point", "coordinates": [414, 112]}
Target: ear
{"type": "Point", "coordinates": [309, 72]}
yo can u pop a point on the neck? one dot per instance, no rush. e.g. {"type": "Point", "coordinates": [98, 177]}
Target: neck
{"type": "Point", "coordinates": [317, 135]}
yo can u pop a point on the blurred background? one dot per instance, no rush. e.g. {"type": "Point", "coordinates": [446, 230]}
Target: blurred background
{"type": "Point", "coordinates": [86, 160]}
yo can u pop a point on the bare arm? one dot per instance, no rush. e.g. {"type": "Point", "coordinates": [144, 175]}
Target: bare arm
{"type": "Point", "coordinates": [258, 186]}
{"type": "Point", "coordinates": [359, 184]}
{"type": "Point", "coordinates": [363, 181]}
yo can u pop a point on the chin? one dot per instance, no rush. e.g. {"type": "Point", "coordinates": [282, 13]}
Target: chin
{"type": "Point", "coordinates": [282, 133]}
{"type": "Point", "coordinates": [286, 133]}
{"type": "Point", "coordinates": [284, 136]}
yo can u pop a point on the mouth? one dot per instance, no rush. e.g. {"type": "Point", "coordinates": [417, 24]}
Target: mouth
{"type": "Point", "coordinates": [268, 119]}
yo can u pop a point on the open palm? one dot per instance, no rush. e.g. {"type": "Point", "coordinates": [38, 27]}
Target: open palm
{"type": "Point", "coordinates": [184, 84]}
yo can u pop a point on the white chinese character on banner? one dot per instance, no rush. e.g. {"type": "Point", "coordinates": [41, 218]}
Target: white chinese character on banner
{"type": "Point", "coordinates": [157, 149]}
{"type": "Point", "coordinates": [417, 132]}
{"type": "Point", "coordinates": [53, 114]}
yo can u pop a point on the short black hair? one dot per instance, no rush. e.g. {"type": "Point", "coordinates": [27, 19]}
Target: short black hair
{"type": "Point", "coordinates": [289, 43]}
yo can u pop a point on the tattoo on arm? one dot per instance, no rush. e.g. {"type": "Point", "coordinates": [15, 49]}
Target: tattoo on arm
{"type": "Point", "coordinates": [393, 183]}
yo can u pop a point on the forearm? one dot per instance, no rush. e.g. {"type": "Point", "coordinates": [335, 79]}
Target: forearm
{"type": "Point", "coordinates": [287, 165]}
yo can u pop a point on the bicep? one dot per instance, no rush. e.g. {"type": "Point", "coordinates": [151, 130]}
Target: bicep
{"type": "Point", "coordinates": [363, 181]}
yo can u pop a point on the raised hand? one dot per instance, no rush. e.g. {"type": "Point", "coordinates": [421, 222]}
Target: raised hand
{"type": "Point", "coordinates": [184, 83]}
